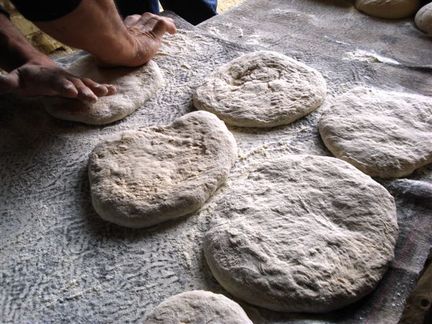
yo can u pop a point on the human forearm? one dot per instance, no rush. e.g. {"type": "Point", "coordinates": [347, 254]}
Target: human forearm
{"type": "Point", "coordinates": [32, 73]}
{"type": "Point", "coordinates": [96, 27]}
{"type": "Point", "coordinates": [15, 50]}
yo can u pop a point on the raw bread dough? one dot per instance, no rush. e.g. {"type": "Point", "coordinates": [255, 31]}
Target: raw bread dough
{"type": "Point", "coordinates": [391, 9]}
{"type": "Point", "coordinates": [423, 19]}
{"type": "Point", "coordinates": [145, 177]}
{"type": "Point", "coordinates": [302, 233]}
{"type": "Point", "coordinates": [383, 133]}
{"type": "Point", "coordinates": [262, 89]}
{"type": "Point", "coordinates": [134, 87]}
{"type": "Point", "coordinates": [198, 307]}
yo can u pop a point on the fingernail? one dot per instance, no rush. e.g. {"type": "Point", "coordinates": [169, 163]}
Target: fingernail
{"type": "Point", "coordinates": [69, 86]}
{"type": "Point", "coordinates": [90, 96]}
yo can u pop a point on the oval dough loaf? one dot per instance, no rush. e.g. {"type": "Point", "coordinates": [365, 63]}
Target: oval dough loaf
{"type": "Point", "coordinates": [262, 89]}
{"type": "Point", "coordinates": [134, 87]}
{"type": "Point", "coordinates": [383, 133]}
{"type": "Point", "coordinates": [390, 9]}
{"type": "Point", "coordinates": [198, 307]}
{"type": "Point", "coordinates": [302, 233]}
{"type": "Point", "coordinates": [148, 176]}
{"type": "Point", "coordinates": [423, 19]}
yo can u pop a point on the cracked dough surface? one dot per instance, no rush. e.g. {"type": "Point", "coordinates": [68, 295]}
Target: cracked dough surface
{"type": "Point", "coordinates": [134, 87]}
{"type": "Point", "coordinates": [390, 9]}
{"type": "Point", "coordinates": [262, 89]}
{"type": "Point", "coordinates": [145, 177]}
{"type": "Point", "coordinates": [302, 233]}
{"type": "Point", "coordinates": [383, 133]}
{"type": "Point", "coordinates": [198, 307]}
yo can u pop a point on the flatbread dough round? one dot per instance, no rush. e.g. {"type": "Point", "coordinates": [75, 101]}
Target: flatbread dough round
{"type": "Point", "coordinates": [198, 307]}
{"type": "Point", "coordinates": [390, 9]}
{"type": "Point", "coordinates": [383, 133]}
{"type": "Point", "coordinates": [145, 177]}
{"type": "Point", "coordinates": [134, 87]}
{"type": "Point", "coordinates": [423, 19]}
{"type": "Point", "coordinates": [262, 89]}
{"type": "Point", "coordinates": [302, 233]}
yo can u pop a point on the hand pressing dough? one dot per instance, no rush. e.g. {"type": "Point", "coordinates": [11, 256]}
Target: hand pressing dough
{"type": "Point", "coordinates": [390, 9]}
{"type": "Point", "coordinates": [423, 19]}
{"type": "Point", "coordinates": [383, 133]}
{"type": "Point", "coordinates": [261, 89]}
{"type": "Point", "coordinates": [198, 307]}
{"type": "Point", "coordinates": [134, 87]}
{"type": "Point", "coordinates": [148, 176]}
{"type": "Point", "coordinates": [302, 233]}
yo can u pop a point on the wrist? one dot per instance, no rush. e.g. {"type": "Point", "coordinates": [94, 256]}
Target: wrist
{"type": "Point", "coordinates": [26, 54]}
{"type": "Point", "coordinates": [41, 60]}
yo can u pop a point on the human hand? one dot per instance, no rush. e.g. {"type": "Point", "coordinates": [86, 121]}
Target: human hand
{"type": "Point", "coordinates": [146, 34]}
{"type": "Point", "coordinates": [45, 78]}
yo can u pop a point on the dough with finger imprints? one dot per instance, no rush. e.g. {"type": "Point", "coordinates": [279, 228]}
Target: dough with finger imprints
{"type": "Point", "coordinates": [148, 176]}
{"type": "Point", "coordinates": [301, 233]}
{"type": "Point", "coordinates": [261, 89]}
{"type": "Point", "coordinates": [390, 9]}
{"type": "Point", "coordinates": [134, 87]}
{"type": "Point", "coordinates": [423, 19]}
{"type": "Point", "coordinates": [198, 307]}
{"type": "Point", "coordinates": [383, 133]}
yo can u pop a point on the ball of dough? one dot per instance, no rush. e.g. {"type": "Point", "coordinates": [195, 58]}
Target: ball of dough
{"type": "Point", "coordinates": [148, 176]}
{"type": "Point", "coordinates": [383, 133]}
{"type": "Point", "coordinates": [198, 307]}
{"type": "Point", "coordinates": [302, 234]}
{"type": "Point", "coordinates": [390, 9]}
{"type": "Point", "coordinates": [261, 89]}
{"type": "Point", "coordinates": [423, 19]}
{"type": "Point", "coordinates": [134, 87]}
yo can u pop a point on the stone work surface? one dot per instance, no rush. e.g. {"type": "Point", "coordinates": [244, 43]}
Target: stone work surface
{"type": "Point", "coordinates": [61, 263]}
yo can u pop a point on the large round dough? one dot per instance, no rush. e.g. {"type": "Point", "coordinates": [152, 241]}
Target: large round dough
{"type": "Point", "coordinates": [134, 87]}
{"type": "Point", "coordinates": [390, 9]}
{"type": "Point", "coordinates": [198, 307]}
{"type": "Point", "coordinates": [261, 89]}
{"type": "Point", "coordinates": [302, 233]}
{"type": "Point", "coordinates": [423, 19]}
{"type": "Point", "coordinates": [383, 133]}
{"type": "Point", "coordinates": [145, 177]}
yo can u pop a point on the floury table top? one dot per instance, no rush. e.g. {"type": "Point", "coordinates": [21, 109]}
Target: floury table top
{"type": "Point", "coordinates": [61, 263]}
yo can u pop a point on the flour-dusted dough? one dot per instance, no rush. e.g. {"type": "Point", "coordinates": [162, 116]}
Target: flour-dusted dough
{"type": "Point", "coordinates": [423, 19]}
{"type": "Point", "coordinates": [134, 87]}
{"type": "Point", "coordinates": [198, 307]}
{"type": "Point", "coordinates": [390, 9]}
{"type": "Point", "coordinates": [302, 233]}
{"type": "Point", "coordinates": [262, 89]}
{"type": "Point", "coordinates": [383, 133]}
{"type": "Point", "coordinates": [148, 176]}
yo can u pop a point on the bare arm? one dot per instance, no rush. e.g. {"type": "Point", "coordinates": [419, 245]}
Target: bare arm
{"type": "Point", "coordinates": [16, 51]}
{"type": "Point", "coordinates": [96, 27]}
{"type": "Point", "coordinates": [32, 73]}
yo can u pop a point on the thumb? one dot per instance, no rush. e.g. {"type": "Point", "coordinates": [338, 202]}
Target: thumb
{"type": "Point", "coordinates": [9, 83]}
